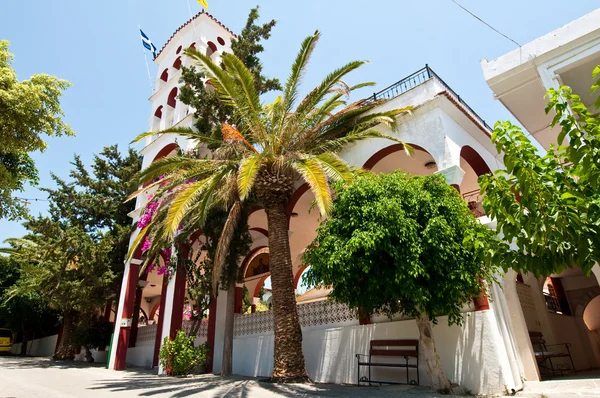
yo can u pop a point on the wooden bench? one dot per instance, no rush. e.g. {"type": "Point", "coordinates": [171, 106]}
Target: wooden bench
{"type": "Point", "coordinates": [543, 356]}
{"type": "Point", "coordinates": [406, 349]}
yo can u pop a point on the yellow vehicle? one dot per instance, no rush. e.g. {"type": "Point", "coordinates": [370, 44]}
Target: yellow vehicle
{"type": "Point", "coordinates": [5, 340]}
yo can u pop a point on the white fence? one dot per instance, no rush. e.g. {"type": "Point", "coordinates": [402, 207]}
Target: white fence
{"type": "Point", "coordinates": [43, 347]}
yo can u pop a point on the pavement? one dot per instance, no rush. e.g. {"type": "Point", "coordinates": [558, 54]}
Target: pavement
{"type": "Point", "coordinates": [43, 377]}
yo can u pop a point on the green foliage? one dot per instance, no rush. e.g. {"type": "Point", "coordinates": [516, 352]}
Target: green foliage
{"type": "Point", "coordinates": [548, 205]}
{"type": "Point", "coordinates": [179, 356]}
{"type": "Point", "coordinates": [93, 333]}
{"type": "Point", "coordinates": [400, 244]}
{"type": "Point", "coordinates": [73, 259]}
{"type": "Point", "coordinates": [26, 311]}
{"type": "Point", "coordinates": [29, 109]}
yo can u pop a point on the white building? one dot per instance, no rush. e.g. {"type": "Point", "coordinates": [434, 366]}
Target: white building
{"type": "Point", "coordinates": [492, 352]}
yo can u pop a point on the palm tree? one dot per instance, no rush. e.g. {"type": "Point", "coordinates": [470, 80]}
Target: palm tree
{"type": "Point", "coordinates": [265, 150]}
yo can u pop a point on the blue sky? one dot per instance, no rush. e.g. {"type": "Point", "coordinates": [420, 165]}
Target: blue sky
{"type": "Point", "coordinates": [96, 46]}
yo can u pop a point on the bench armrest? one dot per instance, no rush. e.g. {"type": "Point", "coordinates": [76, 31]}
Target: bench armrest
{"type": "Point", "coordinates": [361, 355]}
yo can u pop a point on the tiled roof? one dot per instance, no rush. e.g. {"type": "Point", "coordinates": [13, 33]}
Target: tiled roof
{"type": "Point", "coordinates": [190, 21]}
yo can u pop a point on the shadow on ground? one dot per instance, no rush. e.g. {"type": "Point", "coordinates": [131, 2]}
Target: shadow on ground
{"type": "Point", "coordinates": [241, 387]}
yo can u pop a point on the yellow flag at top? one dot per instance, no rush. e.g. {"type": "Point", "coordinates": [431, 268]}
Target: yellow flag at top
{"type": "Point", "coordinates": [203, 3]}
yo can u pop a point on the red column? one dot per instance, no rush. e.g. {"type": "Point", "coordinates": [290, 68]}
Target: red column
{"type": "Point", "coordinates": [239, 300]}
{"type": "Point", "coordinates": [136, 312]}
{"type": "Point", "coordinates": [481, 303]}
{"type": "Point", "coordinates": [163, 297]}
{"type": "Point", "coordinates": [179, 294]}
{"type": "Point", "coordinates": [124, 332]}
{"type": "Point", "coordinates": [210, 337]}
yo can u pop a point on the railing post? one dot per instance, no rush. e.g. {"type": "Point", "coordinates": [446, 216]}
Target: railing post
{"type": "Point", "coordinates": [374, 96]}
{"type": "Point", "coordinates": [428, 71]}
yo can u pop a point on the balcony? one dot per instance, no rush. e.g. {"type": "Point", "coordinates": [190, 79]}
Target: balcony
{"type": "Point", "coordinates": [418, 78]}
{"type": "Point", "coordinates": [475, 201]}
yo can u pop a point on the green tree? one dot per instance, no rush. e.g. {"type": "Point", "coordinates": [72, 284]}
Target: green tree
{"type": "Point", "coordinates": [396, 244]}
{"type": "Point", "coordinates": [74, 257]}
{"type": "Point", "coordinates": [270, 149]}
{"type": "Point", "coordinates": [26, 314]}
{"type": "Point", "coordinates": [29, 110]}
{"type": "Point", "coordinates": [548, 204]}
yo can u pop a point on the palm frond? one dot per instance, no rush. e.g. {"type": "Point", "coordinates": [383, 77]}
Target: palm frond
{"type": "Point", "coordinates": [335, 168]}
{"type": "Point", "coordinates": [290, 92]}
{"type": "Point", "coordinates": [312, 172]}
{"type": "Point", "coordinates": [233, 218]}
{"type": "Point", "coordinates": [248, 171]}
{"type": "Point", "coordinates": [186, 132]}
{"type": "Point", "coordinates": [337, 144]}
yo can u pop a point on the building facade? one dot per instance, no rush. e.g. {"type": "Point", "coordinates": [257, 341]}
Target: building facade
{"type": "Point", "coordinates": [490, 353]}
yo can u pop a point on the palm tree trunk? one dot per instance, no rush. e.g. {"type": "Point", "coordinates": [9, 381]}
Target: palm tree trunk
{"type": "Point", "coordinates": [65, 349]}
{"type": "Point", "coordinates": [439, 381]}
{"type": "Point", "coordinates": [226, 369]}
{"type": "Point", "coordinates": [289, 359]}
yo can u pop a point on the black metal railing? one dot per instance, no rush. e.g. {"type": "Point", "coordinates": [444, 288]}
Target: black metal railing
{"type": "Point", "coordinates": [419, 77]}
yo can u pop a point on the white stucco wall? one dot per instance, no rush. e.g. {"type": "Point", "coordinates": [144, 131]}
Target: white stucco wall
{"type": "Point", "coordinates": [471, 355]}
{"type": "Point", "coordinates": [43, 347]}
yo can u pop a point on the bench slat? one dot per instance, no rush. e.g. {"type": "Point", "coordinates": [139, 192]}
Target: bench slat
{"type": "Point", "coordinates": [395, 343]}
{"type": "Point", "coordinates": [395, 353]}
{"type": "Point", "coordinates": [394, 365]}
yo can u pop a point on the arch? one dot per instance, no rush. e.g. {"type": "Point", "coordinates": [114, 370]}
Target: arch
{"type": "Point", "coordinates": [253, 253]}
{"type": "Point", "coordinates": [221, 41]}
{"type": "Point", "coordinates": [158, 112]}
{"type": "Point", "coordinates": [177, 63]}
{"type": "Point", "coordinates": [585, 301]}
{"type": "Point", "coordinates": [178, 50]}
{"type": "Point", "coordinates": [591, 314]}
{"type": "Point", "coordinates": [163, 153]}
{"type": "Point", "coordinates": [475, 160]}
{"type": "Point", "coordinates": [260, 230]}
{"type": "Point", "coordinates": [301, 190]}
{"type": "Point", "coordinates": [154, 310]}
{"type": "Point", "coordinates": [382, 153]}
{"type": "Point", "coordinates": [211, 49]}
{"type": "Point", "coordinates": [165, 75]}
{"type": "Point", "coordinates": [193, 45]}
{"type": "Point", "coordinates": [172, 99]}
{"type": "Point", "coordinates": [298, 275]}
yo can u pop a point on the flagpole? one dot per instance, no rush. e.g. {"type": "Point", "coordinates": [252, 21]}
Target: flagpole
{"type": "Point", "coordinates": [192, 18]}
{"type": "Point", "coordinates": [147, 67]}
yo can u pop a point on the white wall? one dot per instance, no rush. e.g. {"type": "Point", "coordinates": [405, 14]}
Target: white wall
{"type": "Point", "coordinates": [471, 355]}
{"type": "Point", "coordinates": [43, 347]}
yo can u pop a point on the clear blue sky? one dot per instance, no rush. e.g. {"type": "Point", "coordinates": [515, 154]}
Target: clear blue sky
{"type": "Point", "coordinates": [96, 46]}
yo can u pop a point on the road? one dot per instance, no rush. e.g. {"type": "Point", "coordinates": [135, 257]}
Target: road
{"type": "Point", "coordinates": [42, 377]}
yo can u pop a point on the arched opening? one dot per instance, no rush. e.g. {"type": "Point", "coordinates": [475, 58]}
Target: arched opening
{"type": "Point", "coordinates": [172, 98]}
{"type": "Point", "coordinates": [165, 75]}
{"type": "Point", "coordinates": [177, 63]}
{"type": "Point", "coordinates": [394, 157]}
{"type": "Point", "coordinates": [257, 275]}
{"type": "Point", "coordinates": [168, 150]}
{"type": "Point", "coordinates": [158, 112]}
{"type": "Point", "coordinates": [193, 45]}
{"type": "Point", "coordinates": [211, 49]}
{"type": "Point", "coordinates": [178, 50]}
{"type": "Point", "coordinates": [221, 41]}
{"type": "Point", "coordinates": [474, 167]}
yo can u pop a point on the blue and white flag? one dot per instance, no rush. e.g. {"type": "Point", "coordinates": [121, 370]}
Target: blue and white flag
{"type": "Point", "coordinates": [148, 43]}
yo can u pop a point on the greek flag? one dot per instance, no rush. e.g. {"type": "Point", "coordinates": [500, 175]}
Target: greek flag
{"type": "Point", "coordinates": [148, 43]}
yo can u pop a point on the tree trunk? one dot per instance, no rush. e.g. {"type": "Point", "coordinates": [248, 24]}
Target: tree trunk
{"type": "Point", "coordinates": [226, 369]}
{"type": "Point", "coordinates": [26, 338]}
{"type": "Point", "coordinates": [438, 379]}
{"type": "Point", "coordinates": [65, 349]}
{"type": "Point", "coordinates": [288, 363]}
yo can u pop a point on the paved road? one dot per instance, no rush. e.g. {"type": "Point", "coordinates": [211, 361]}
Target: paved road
{"type": "Point", "coordinates": [42, 377]}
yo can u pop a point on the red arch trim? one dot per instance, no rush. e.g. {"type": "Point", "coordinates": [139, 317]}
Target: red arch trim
{"type": "Point", "coordinates": [248, 257]}
{"type": "Point", "coordinates": [154, 309]}
{"type": "Point", "coordinates": [382, 153]}
{"type": "Point", "coordinates": [260, 284]}
{"type": "Point", "coordinates": [260, 230]}
{"type": "Point", "coordinates": [165, 75]}
{"type": "Point", "coordinates": [475, 161]}
{"type": "Point", "coordinates": [298, 275]}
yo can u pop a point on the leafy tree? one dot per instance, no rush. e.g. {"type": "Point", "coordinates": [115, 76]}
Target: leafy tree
{"type": "Point", "coordinates": [26, 314]}
{"type": "Point", "coordinates": [548, 204]}
{"type": "Point", "coordinates": [93, 334]}
{"type": "Point", "coordinates": [396, 244]}
{"type": "Point", "coordinates": [74, 257]}
{"type": "Point", "coordinates": [270, 149]}
{"type": "Point", "coordinates": [29, 109]}
{"type": "Point", "coordinates": [68, 268]}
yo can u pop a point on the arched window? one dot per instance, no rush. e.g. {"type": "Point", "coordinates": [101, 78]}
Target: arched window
{"type": "Point", "coordinates": [158, 112]}
{"type": "Point", "coordinates": [178, 50]}
{"type": "Point", "coordinates": [211, 49]}
{"type": "Point", "coordinates": [177, 63]}
{"type": "Point", "coordinates": [221, 40]}
{"type": "Point", "coordinates": [172, 99]}
{"type": "Point", "coordinates": [165, 75]}
{"type": "Point", "coordinates": [193, 45]}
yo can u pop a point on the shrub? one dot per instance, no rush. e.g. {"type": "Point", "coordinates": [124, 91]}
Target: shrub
{"type": "Point", "coordinates": [179, 356]}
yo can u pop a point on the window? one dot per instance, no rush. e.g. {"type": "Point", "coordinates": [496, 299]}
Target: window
{"type": "Point", "coordinates": [172, 99]}
{"type": "Point", "coordinates": [221, 40]}
{"type": "Point", "coordinates": [177, 63]}
{"type": "Point", "coordinates": [211, 49]}
{"type": "Point", "coordinates": [165, 75]}
{"type": "Point", "coordinates": [178, 50]}
{"type": "Point", "coordinates": [555, 297]}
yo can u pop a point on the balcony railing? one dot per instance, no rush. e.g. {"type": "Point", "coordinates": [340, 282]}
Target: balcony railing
{"type": "Point", "coordinates": [416, 79]}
